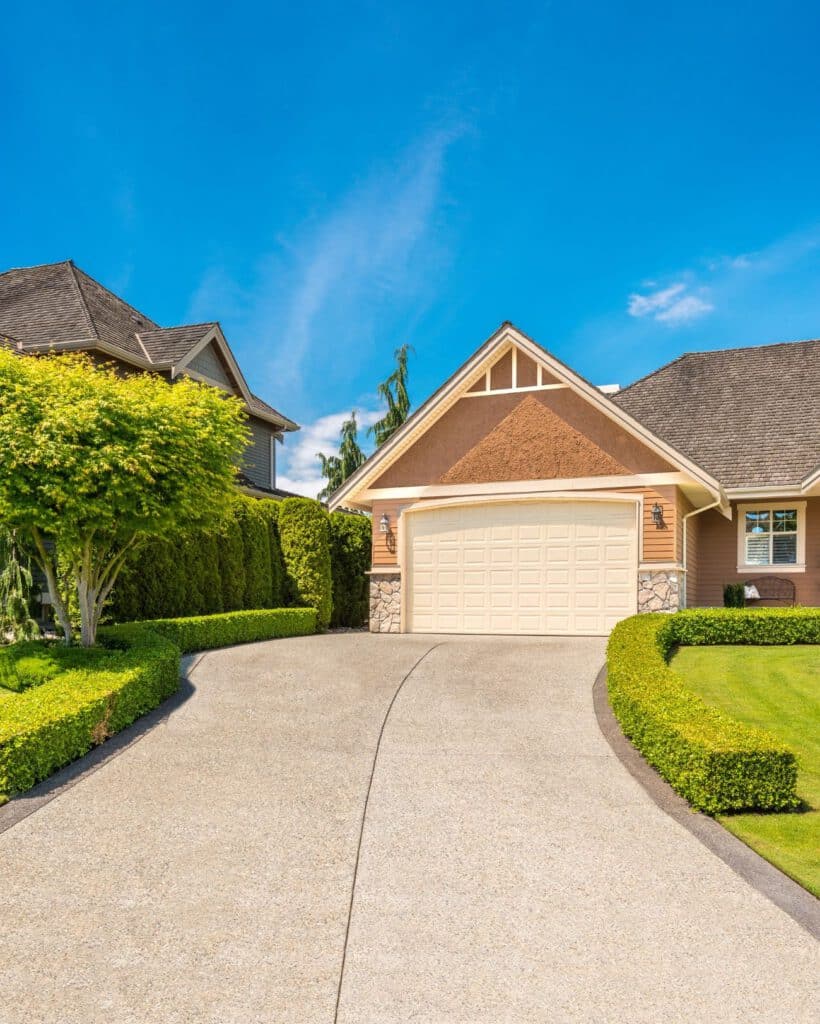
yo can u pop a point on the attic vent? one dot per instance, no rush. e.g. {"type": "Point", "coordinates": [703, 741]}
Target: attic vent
{"type": "Point", "coordinates": [137, 320]}
{"type": "Point", "coordinates": [609, 389]}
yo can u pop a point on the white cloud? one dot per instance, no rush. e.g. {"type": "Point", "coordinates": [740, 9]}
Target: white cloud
{"type": "Point", "coordinates": [299, 465]}
{"type": "Point", "coordinates": [673, 305]}
{"type": "Point", "coordinates": [642, 305]}
{"type": "Point", "coordinates": [683, 310]}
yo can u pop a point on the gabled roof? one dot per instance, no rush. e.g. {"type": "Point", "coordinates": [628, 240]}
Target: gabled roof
{"type": "Point", "coordinates": [749, 416]}
{"type": "Point", "coordinates": [170, 344]}
{"type": "Point", "coordinates": [460, 382]}
{"type": "Point", "coordinates": [58, 306]}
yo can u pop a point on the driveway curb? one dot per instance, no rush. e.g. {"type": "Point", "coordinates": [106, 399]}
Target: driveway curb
{"type": "Point", "coordinates": [768, 880]}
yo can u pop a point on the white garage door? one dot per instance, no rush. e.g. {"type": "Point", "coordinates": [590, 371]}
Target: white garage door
{"type": "Point", "coordinates": [535, 567]}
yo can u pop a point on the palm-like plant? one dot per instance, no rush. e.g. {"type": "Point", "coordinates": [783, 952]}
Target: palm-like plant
{"type": "Point", "coordinates": [394, 392]}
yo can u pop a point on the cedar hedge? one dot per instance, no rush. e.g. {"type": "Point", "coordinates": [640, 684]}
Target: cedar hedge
{"type": "Point", "coordinates": [304, 534]}
{"type": "Point", "coordinates": [717, 764]}
{"type": "Point", "coordinates": [59, 720]}
{"type": "Point", "coordinates": [203, 632]}
{"type": "Point", "coordinates": [350, 557]}
{"type": "Point", "coordinates": [265, 554]}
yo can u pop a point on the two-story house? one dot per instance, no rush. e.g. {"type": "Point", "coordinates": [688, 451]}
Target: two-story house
{"type": "Point", "coordinates": [59, 308]}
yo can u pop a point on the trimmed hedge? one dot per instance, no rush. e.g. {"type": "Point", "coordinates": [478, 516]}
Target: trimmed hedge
{"type": "Point", "coordinates": [350, 557]}
{"type": "Point", "coordinates": [61, 719]}
{"type": "Point", "coordinates": [256, 553]}
{"type": "Point", "coordinates": [717, 764]}
{"type": "Point", "coordinates": [201, 633]}
{"type": "Point", "coordinates": [54, 723]}
{"type": "Point", "coordinates": [270, 512]}
{"type": "Point", "coordinates": [304, 535]}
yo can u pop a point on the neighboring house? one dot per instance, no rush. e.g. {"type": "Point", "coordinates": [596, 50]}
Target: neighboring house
{"type": "Point", "coordinates": [521, 499]}
{"type": "Point", "coordinates": [59, 308]}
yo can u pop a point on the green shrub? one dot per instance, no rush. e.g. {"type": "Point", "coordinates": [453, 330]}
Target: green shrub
{"type": "Point", "coordinates": [253, 525]}
{"type": "Point", "coordinates": [210, 579]}
{"type": "Point", "coordinates": [231, 565]}
{"type": "Point", "coordinates": [54, 723]}
{"type": "Point", "coordinates": [201, 633]}
{"type": "Point", "coordinates": [304, 535]}
{"type": "Point", "coordinates": [717, 764]}
{"type": "Point", "coordinates": [350, 558]}
{"type": "Point", "coordinates": [270, 511]}
{"type": "Point", "coordinates": [734, 595]}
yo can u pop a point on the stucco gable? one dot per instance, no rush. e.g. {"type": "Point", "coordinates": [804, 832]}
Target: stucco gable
{"type": "Point", "coordinates": [532, 443]}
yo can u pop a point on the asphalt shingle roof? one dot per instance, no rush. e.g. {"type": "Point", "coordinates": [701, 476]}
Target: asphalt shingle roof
{"type": "Point", "coordinates": [748, 416]}
{"type": "Point", "coordinates": [170, 344]}
{"type": "Point", "coordinates": [58, 303]}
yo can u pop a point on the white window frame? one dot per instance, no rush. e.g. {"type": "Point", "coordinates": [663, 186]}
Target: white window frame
{"type": "Point", "coordinates": [770, 507]}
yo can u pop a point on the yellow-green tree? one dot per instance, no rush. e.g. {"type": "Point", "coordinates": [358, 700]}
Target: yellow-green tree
{"type": "Point", "coordinates": [94, 463]}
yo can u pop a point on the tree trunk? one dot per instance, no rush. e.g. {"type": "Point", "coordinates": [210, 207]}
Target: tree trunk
{"type": "Point", "coordinates": [87, 599]}
{"type": "Point", "coordinates": [46, 563]}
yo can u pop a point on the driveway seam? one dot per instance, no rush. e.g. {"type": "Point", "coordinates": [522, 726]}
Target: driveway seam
{"type": "Point", "coordinates": [755, 870]}
{"type": "Point", "coordinates": [363, 821]}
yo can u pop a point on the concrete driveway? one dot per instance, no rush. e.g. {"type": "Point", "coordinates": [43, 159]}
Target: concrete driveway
{"type": "Point", "coordinates": [510, 870]}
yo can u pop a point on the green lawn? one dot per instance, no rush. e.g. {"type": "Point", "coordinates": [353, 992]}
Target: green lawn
{"type": "Point", "coordinates": [778, 689]}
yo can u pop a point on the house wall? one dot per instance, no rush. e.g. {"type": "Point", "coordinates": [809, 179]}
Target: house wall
{"type": "Point", "coordinates": [716, 547]}
{"type": "Point", "coordinates": [209, 364]}
{"type": "Point", "coordinates": [660, 546]}
{"type": "Point", "coordinates": [256, 462]}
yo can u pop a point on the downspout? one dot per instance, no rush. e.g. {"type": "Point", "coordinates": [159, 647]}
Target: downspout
{"type": "Point", "coordinates": [694, 512]}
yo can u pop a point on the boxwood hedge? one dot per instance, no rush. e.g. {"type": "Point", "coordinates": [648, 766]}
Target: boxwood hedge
{"type": "Point", "coordinates": [203, 632]}
{"type": "Point", "coordinates": [717, 764]}
{"type": "Point", "coordinates": [51, 724]}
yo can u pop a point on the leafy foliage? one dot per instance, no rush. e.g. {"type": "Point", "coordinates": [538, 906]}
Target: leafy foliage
{"type": "Point", "coordinates": [350, 544]}
{"type": "Point", "coordinates": [15, 591]}
{"type": "Point", "coordinates": [717, 764]}
{"type": "Point", "coordinates": [734, 595]}
{"type": "Point", "coordinates": [201, 633]}
{"type": "Point", "coordinates": [270, 511]}
{"type": "Point", "coordinates": [394, 392]}
{"type": "Point", "coordinates": [337, 468]}
{"type": "Point", "coordinates": [304, 535]}
{"type": "Point", "coordinates": [100, 463]}
{"type": "Point", "coordinates": [253, 526]}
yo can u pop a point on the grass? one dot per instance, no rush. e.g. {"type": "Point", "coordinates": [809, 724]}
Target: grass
{"type": "Point", "coordinates": [777, 689]}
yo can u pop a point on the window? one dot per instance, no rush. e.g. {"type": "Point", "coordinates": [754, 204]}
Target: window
{"type": "Point", "coordinates": [772, 536]}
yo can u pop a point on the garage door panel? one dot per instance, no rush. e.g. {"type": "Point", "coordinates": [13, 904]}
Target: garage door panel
{"type": "Point", "coordinates": [521, 567]}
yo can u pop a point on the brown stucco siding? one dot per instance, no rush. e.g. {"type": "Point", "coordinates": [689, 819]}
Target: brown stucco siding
{"type": "Point", "coordinates": [501, 373]}
{"type": "Point", "coordinates": [716, 547]}
{"type": "Point", "coordinates": [463, 426]}
{"type": "Point", "coordinates": [516, 450]}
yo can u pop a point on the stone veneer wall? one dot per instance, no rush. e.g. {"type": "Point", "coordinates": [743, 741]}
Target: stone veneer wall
{"type": "Point", "coordinates": [659, 591]}
{"type": "Point", "coordinates": [385, 602]}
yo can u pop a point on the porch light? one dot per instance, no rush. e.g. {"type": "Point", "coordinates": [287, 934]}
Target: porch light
{"type": "Point", "coordinates": [657, 516]}
{"type": "Point", "coordinates": [384, 523]}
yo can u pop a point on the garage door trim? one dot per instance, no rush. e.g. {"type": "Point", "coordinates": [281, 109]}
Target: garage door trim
{"type": "Point", "coordinates": [525, 497]}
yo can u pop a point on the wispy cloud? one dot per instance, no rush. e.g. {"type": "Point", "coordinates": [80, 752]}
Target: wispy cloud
{"type": "Point", "coordinates": [299, 464]}
{"type": "Point", "coordinates": [360, 268]}
{"type": "Point", "coordinates": [673, 305]}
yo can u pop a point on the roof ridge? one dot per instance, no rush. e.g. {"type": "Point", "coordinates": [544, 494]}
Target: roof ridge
{"type": "Point", "coordinates": [92, 325]}
{"type": "Point", "coordinates": [179, 327]}
{"type": "Point", "coordinates": [119, 298]}
{"type": "Point", "coordinates": [652, 373]}
{"type": "Point", "coordinates": [36, 266]}
{"type": "Point", "coordinates": [750, 348]}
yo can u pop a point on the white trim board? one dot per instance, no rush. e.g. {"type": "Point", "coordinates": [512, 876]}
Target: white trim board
{"type": "Point", "coordinates": [457, 386]}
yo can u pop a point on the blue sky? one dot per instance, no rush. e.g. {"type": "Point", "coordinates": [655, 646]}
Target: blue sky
{"type": "Point", "coordinates": [623, 181]}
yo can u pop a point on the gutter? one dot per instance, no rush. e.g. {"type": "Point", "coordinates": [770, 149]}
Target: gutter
{"type": "Point", "coordinates": [694, 512]}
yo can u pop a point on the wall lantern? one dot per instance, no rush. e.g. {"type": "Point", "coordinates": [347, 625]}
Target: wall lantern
{"type": "Point", "coordinates": [657, 517]}
{"type": "Point", "coordinates": [384, 523]}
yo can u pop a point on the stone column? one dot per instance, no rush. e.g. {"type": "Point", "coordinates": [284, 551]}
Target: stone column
{"type": "Point", "coordinates": [659, 591]}
{"type": "Point", "coordinates": [385, 602]}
